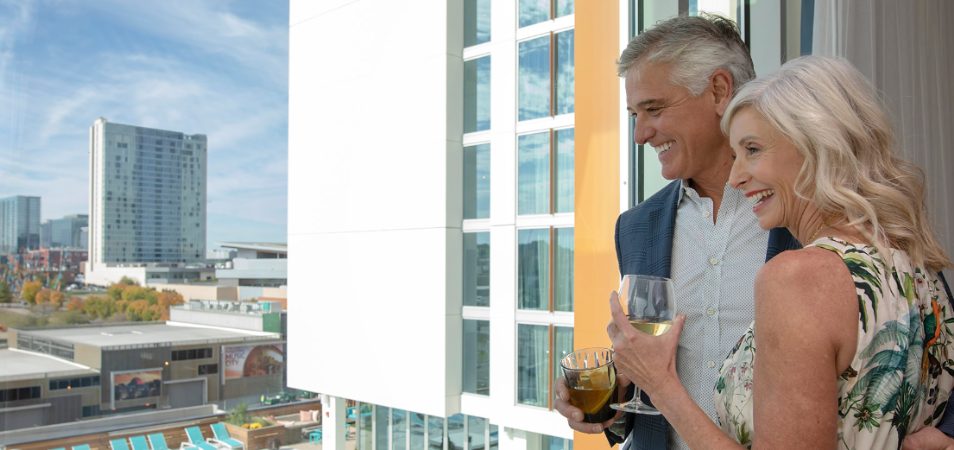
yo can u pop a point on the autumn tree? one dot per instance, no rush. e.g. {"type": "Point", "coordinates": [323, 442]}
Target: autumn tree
{"type": "Point", "coordinates": [42, 297]}
{"type": "Point", "coordinates": [168, 299]}
{"type": "Point", "coordinates": [56, 299]}
{"type": "Point", "coordinates": [74, 304]}
{"type": "Point", "coordinates": [99, 307]}
{"type": "Point", "coordinates": [29, 290]}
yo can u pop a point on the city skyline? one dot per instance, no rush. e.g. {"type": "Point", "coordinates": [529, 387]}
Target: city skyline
{"type": "Point", "coordinates": [219, 69]}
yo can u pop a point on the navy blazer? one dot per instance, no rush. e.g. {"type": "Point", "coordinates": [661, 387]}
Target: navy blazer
{"type": "Point", "coordinates": [644, 246]}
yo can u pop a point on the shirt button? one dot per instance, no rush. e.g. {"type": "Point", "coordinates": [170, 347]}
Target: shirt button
{"type": "Point", "coordinates": [707, 214]}
{"type": "Point", "coordinates": [711, 364]}
{"type": "Point", "coordinates": [714, 261]}
{"type": "Point", "coordinates": [710, 312]}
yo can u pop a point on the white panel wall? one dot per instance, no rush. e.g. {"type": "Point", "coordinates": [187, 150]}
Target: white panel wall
{"type": "Point", "coordinates": [374, 260]}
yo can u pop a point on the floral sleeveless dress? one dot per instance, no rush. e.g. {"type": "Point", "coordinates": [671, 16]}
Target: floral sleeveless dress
{"type": "Point", "coordinates": [902, 373]}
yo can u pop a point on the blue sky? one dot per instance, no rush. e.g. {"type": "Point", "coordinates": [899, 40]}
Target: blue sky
{"type": "Point", "coordinates": [214, 67]}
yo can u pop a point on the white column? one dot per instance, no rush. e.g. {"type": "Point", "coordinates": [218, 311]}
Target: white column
{"type": "Point", "coordinates": [333, 423]}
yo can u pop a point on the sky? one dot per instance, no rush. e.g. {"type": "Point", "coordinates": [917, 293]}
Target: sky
{"type": "Point", "coordinates": [213, 67]}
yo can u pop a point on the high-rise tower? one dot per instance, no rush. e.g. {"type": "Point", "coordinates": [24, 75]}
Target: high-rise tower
{"type": "Point", "coordinates": [147, 195]}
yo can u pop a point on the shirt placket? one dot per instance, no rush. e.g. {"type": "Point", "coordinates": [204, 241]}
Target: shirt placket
{"type": "Point", "coordinates": [717, 237]}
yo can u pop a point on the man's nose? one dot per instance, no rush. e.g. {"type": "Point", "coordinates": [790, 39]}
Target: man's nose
{"type": "Point", "coordinates": [642, 132]}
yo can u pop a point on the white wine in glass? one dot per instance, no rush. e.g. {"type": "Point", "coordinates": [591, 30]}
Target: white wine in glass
{"type": "Point", "coordinates": [650, 306]}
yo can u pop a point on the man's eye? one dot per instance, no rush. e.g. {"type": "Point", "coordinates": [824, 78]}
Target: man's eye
{"type": "Point", "coordinates": [653, 111]}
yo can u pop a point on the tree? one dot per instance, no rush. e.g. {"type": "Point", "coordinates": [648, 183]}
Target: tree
{"type": "Point", "coordinates": [99, 307]}
{"type": "Point", "coordinates": [56, 299]}
{"type": "Point", "coordinates": [42, 297]}
{"type": "Point", "coordinates": [74, 304]}
{"type": "Point", "coordinates": [166, 300]}
{"type": "Point", "coordinates": [29, 290]}
{"type": "Point", "coordinates": [5, 295]}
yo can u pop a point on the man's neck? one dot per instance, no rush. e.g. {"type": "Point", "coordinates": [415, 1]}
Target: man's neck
{"type": "Point", "coordinates": [712, 187]}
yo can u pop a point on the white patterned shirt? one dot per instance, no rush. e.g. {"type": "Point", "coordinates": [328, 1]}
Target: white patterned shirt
{"type": "Point", "coordinates": [713, 272]}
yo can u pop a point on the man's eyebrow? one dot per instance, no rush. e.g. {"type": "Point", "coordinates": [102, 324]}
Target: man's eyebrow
{"type": "Point", "coordinates": [648, 102]}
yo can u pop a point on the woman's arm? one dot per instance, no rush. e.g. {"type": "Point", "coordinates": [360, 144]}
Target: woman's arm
{"type": "Point", "coordinates": [806, 320]}
{"type": "Point", "coordinates": [806, 326]}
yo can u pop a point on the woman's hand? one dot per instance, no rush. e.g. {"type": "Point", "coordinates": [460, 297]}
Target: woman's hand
{"type": "Point", "coordinates": [649, 361]}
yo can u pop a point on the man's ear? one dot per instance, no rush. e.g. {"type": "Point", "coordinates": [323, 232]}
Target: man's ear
{"type": "Point", "coordinates": [722, 88]}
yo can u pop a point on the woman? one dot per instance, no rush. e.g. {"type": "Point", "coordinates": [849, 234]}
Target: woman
{"type": "Point", "coordinates": [853, 348]}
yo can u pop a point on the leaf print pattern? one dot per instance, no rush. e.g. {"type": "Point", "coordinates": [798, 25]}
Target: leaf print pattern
{"type": "Point", "coordinates": [902, 373]}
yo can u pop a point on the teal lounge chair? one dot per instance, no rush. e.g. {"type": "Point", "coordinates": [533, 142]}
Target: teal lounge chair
{"type": "Point", "coordinates": [223, 437]}
{"type": "Point", "coordinates": [58, 448]}
{"type": "Point", "coordinates": [81, 447]}
{"type": "Point", "coordinates": [158, 441]}
{"type": "Point", "coordinates": [118, 444]}
{"type": "Point", "coordinates": [139, 443]}
{"type": "Point", "coordinates": [196, 439]}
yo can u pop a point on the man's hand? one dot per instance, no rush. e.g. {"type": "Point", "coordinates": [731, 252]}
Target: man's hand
{"type": "Point", "coordinates": [929, 438]}
{"type": "Point", "coordinates": [574, 416]}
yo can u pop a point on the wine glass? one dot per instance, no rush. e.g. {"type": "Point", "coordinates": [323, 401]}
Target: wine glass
{"type": "Point", "coordinates": [591, 381]}
{"type": "Point", "coordinates": [650, 307]}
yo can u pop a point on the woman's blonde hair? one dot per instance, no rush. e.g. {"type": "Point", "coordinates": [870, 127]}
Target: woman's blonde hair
{"type": "Point", "coordinates": [834, 117]}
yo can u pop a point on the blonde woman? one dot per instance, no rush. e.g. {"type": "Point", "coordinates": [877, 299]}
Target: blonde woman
{"type": "Point", "coordinates": [853, 346]}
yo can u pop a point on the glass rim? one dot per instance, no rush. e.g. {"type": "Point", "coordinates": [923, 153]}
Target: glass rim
{"type": "Point", "coordinates": [608, 350]}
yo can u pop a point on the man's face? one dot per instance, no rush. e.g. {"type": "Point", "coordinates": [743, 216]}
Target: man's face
{"type": "Point", "coordinates": [682, 128]}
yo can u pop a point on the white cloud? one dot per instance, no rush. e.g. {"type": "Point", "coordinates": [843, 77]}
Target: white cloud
{"type": "Point", "coordinates": [222, 75]}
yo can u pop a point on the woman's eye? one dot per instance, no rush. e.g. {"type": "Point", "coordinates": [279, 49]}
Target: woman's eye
{"type": "Point", "coordinates": [752, 150]}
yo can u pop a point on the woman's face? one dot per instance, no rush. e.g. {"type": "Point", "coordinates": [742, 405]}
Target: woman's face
{"type": "Point", "coordinates": [765, 168]}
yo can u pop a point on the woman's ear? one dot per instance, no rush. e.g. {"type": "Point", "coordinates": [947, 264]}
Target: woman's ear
{"type": "Point", "coordinates": [722, 89]}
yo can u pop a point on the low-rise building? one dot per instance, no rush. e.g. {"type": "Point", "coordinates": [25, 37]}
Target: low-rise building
{"type": "Point", "coordinates": [86, 371]}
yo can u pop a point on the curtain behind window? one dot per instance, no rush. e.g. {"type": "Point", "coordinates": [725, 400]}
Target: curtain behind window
{"type": "Point", "coordinates": [907, 50]}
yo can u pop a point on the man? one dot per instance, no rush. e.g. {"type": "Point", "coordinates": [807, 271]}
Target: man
{"type": "Point", "coordinates": [679, 77]}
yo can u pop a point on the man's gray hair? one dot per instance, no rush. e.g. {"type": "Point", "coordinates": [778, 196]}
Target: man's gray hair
{"type": "Point", "coordinates": [695, 47]}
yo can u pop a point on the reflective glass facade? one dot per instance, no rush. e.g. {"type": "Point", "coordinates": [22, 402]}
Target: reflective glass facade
{"type": "Point", "coordinates": [148, 195]}
{"type": "Point", "coordinates": [477, 181]}
{"type": "Point", "coordinates": [476, 357]}
{"type": "Point", "coordinates": [477, 94]}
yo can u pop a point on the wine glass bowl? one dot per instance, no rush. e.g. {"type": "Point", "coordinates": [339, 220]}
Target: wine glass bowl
{"type": "Point", "coordinates": [591, 381]}
{"type": "Point", "coordinates": [650, 307]}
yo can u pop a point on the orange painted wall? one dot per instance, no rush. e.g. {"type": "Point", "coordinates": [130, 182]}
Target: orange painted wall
{"type": "Point", "coordinates": [597, 176]}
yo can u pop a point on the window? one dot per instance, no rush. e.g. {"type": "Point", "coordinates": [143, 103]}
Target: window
{"type": "Point", "coordinates": [535, 152]}
{"type": "Point", "coordinates": [476, 357]}
{"type": "Point", "coordinates": [476, 279]}
{"type": "Point", "coordinates": [538, 359]}
{"type": "Point", "coordinates": [533, 173]}
{"type": "Point", "coordinates": [477, 181]}
{"type": "Point", "coordinates": [398, 429]}
{"type": "Point", "coordinates": [536, 11]}
{"type": "Point", "coordinates": [435, 433]}
{"type": "Point", "coordinates": [533, 78]}
{"type": "Point", "coordinates": [533, 351]}
{"type": "Point", "coordinates": [364, 426]}
{"type": "Point", "coordinates": [533, 269]}
{"type": "Point", "coordinates": [476, 427]}
{"type": "Point", "coordinates": [381, 414]}
{"type": "Point", "coordinates": [563, 269]}
{"type": "Point", "coordinates": [476, 22]}
{"type": "Point", "coordinates": [417, 430]}
{"type": "Point", "coordinates": [477, 94]}
{"type": "Point", "coordinates": [208, 369]}
{"type": "Point", "coordinates": [455, 432]}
